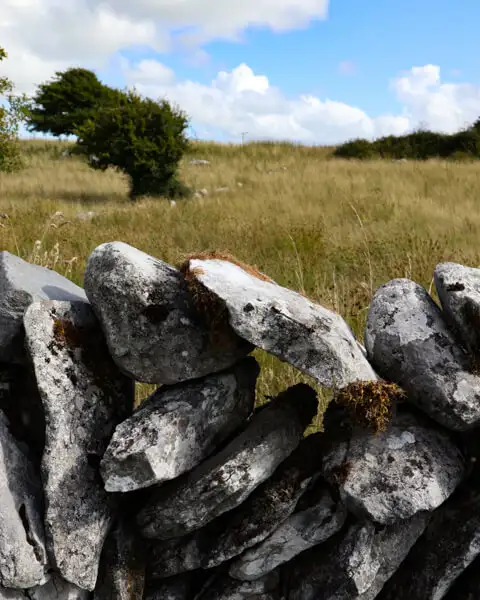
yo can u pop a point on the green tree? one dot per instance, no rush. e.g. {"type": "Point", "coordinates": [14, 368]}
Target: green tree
{"type": "Point", "coordinates": [68, 101]}
{"type": "Point", "coordinates": [13, 111]}
{"type": "Point", "coordinates": [142, 138]}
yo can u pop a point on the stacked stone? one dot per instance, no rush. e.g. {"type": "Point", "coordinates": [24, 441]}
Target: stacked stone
{"type": "Point", "coordinates": [200, 494]}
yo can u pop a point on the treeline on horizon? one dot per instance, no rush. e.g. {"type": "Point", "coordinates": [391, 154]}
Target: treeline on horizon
{"type": "Point", "coordinates": [419, 145]}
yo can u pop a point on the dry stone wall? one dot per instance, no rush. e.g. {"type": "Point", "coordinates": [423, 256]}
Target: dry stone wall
{"type": "Point", "coordinates": [200, 494]}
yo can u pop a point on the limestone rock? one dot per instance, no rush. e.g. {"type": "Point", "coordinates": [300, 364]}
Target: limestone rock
{"type": "Point", "coordinates": [23, 559]}
{"type": "Point", "coordinates": [177, 427]}
{"type": "Point", "coordinates": [122, 566]}
{"type": "Point", "coordinates": [248, 524]}
{"type": "Point", "coordinates": [310, 337]}
{"type": "Point", "coordinates": [226, 479]}
{"type": "Point", "coordinates": [224, 587]}
{"type": "Point", "coordinates": [458, 289]}
{"type": "Point", "coordinates": [152, 329]}
{"type": "Point", "coordinates": [84, 397]}
{"type": "Point", "coordinates": [448, 546]}
{"type": "Point", "coordinates": [409, 343]}
{"type": "Point", "coordinates": [299, 532]}
{"type": "Point", "coordinates": [22, 283]}
{"type": "Point", "coordinates": [410, 468]}
{"type": "Point", "coordinates": [58, 589]}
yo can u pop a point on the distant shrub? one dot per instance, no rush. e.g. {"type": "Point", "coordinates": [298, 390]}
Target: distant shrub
{"type": "Point", "coordinates": [142, 138]}
{"type": "Point", "coordinates": [358, 148]}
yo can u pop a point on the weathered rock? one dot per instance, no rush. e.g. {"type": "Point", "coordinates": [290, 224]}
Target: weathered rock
{"type": "Point", "coordinates": [395, 474]}
{"type": "Point", "coordinates": [22, 283]}
{"type": "Point", "coordinates": [458, 289]}
{"type": "Point", "coordinates": [23, 559]}
{"type": "Point", "coordinates": [299, 532]}
{"type": "Point", "coordinates": [22, 405]}
{"type": "Point", "coordinates": [355, 567]}
{"type": "Point", "coordinates": [467, 586]}
{"type": "Point", "coordinates": [152, 329]}
{"type": "Point", "coordinates": [11, 594]}
{"type": "Point", "coordinates": [409, 343]}
{"type": "Point", "coordinates": [172, 588]}
{"type": "Point", "coordinates": [226, 479]}
{"type": "Point", "coordinates": [248, 524]}
{"type": "Point", "coordinates": [84, 397]}
{"type": "Point", "coordinates": [310, 337]}
{"type": "Point", "coordinates": [177, 427]}
{"type": "Point", "coordinates": [122, 566]}
{"type": "Point", "coordinates": [450, 543]}
{"type": "Point", "coordinates": [224, 587]}
{"type": "Point", "coordinates": [58, 589]}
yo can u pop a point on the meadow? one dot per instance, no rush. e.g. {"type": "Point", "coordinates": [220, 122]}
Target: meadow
{"type": "Point", "coordinates": [331, 229]}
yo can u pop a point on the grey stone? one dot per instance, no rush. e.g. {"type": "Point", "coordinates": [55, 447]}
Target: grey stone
{"type": "Point", "coordinates": [286, 324]}
{"type": "Point", "coordinates": [224, 587]}
{"type": "Point", "coordinates": [226, 479]}
{"type": "Point", "coordinates": [152, 329]}
{"type": "Point", "coordinates": [57, 589]}
{"type": "Point", "coordinates": [122, 566]}
{"type": "Point", "coordinates": [409, 343]}
{"type": "Point", "coordinates": [299, 532]}
{"type": "Point", "coordinates": [177, 427]}
{"type": "Point", "coordinates": [199, 161]}
{"type": "Point", "coordinates": [448, 546]}
{"type": "Point", "coordinates": [84, 397]}
{"type": "Point", "coordinates": [248, 524]}
{"type": "Point", "coordinates": [467, 586]}
{"type": "Point", "coordinates": [23, 559]}
{"type": "Point", "coordinates": [22, 283]}
{"type": "Point", "coordinates": [458, 289]}
{"type": "Point", "coordinates": [11, 594]}
{"type": "Point", "coordinates": [355, 567]}
{"type": "Point", "coordinates": [395, 474]}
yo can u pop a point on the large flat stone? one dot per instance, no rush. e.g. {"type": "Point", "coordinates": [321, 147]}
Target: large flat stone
{"type": "Point", "coordinates": [409, 468]}
{"type": "Point", "coordinates": [84, 396]}
{"type": "Point", "coordinates": [152, 329]}
{"type": "Point", "coordinates": [284, 323]}
{"type": "Point", "coordinates": [226, 479]}
{"type": "Point", "coordinates": [300, 531]}
{"type": "Point", "coordinates": [23, 558]}
{"type": "Point", "coordinates": [458, 289]}
{"type": "Point", "coordinates": [22, 283]}
{"type": "Point", "coordinates": [409, 343]}
{"type": "Point", "coordinates": [177, 427]}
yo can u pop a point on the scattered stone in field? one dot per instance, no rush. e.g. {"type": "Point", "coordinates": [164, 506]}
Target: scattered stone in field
{"type": "Point", "coordinates": [226, 479]}
{"type": "Point", "coordinates": [23, 559]}
{"type": "Point", "coordinates": [122, 566]}
{"type": "Point", "coordinates": [173, 204]}
{"type": "Point", "coordinates": [397, 473]}
{"type": "Point", "coordinates": [22, 283]}
{"type": "Point", "coordinates": [84, 397]}
{"type": "Point", "coordinates": [251, 522]}
{"type": "Point", "coordinates": [352, 565]}
{"type": "Point", "coordinates": [177, 427]}
{"type": "Point", "coordinates": [222, 189]}
{"type": "Point", "coordinates": [448, 546]}
{"type": "Point", "coordinates": [201, 193]}
{"type": "Point", "coordinates": [22, 405]}
{"type": "Point", "coordinates": [224, 587]}
{"type": "Point", "coordinates": [458, 289]}
{"type": "Point", "coordinates": [310, 337]}
{"type": "Point", "coordinates": [153, 332]}
{"type": "Point", "coordinates": [199, 161]}
{"type": "Point", "coordinates": [86, 216]}
{"type": "Point", "coordinates": [299, 532]}
{"type": "Point", "coordinates": [409, 343]}
{"type": "Point", "coordinates": [239, 184]}
{"type": "Point", "coordinates": [57, 589]}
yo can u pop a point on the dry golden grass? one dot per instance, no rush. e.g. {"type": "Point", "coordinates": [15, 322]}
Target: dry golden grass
{"type": "Point", "coordinates": [333, 230]}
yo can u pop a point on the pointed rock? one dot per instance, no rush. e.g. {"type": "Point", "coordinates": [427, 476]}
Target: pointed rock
{"type": "Point", "coordinates": [284, 323]}
{"type": "Point", "coordinates": [458, 289]}
{"type": "Point", "coordinates": [409, 468]}
{"type": "Point", "coordinates": [302, 530]}
{"type": "Point", "coordinates": [409, 343]}
{"type": "Point", "coordinates": [22, 283]}
{"type": "Point", "coordinates": [122, 566]}
{"type": "Point", "coordinates": [84, 397]}
{"type": "Point", "coordinates": [177, 427]}
{"type": "Point", "coordinates": [226, 479]}
{"type": "Point", "coordinates": [23, 559]}
{"type": "Point", "coordinates": [152, 329]}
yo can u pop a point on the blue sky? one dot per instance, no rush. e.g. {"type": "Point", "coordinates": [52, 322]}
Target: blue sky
{"type": "Point", "coordinates": [360, 58]}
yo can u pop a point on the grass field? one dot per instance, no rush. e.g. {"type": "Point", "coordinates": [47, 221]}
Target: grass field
{"type": "Point", "coordinates": [330, 229]}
